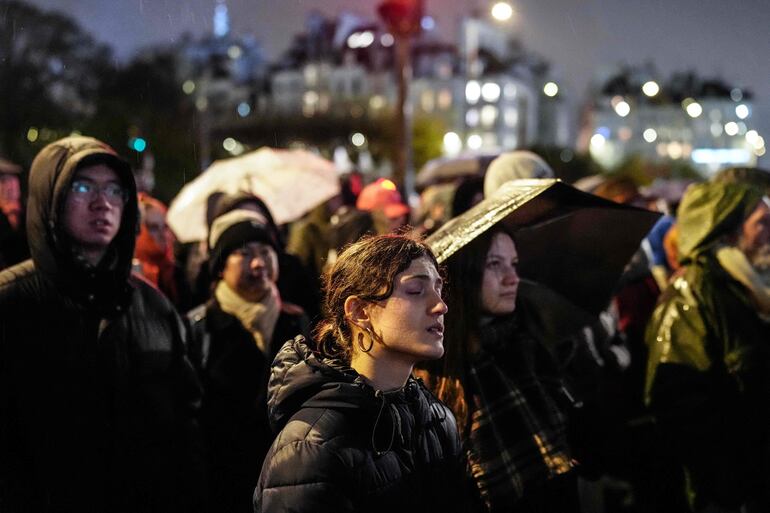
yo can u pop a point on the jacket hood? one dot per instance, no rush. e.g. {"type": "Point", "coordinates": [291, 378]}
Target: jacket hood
{"type": "Point", "coordinates": [50, 177]}
{"type": "Point", "coordinates": [301, 378]}
{"type": "Point", "coordinates": [710, 211]}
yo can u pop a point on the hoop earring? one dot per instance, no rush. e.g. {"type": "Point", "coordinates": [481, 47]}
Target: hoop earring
{"type": "Point", "coordinates": [361, 343]}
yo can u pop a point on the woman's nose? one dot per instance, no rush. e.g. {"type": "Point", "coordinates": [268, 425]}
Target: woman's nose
{"type": "Point", "coordinates": [440, 306]}
{"type": "Point", "coordinates": [511, 277]}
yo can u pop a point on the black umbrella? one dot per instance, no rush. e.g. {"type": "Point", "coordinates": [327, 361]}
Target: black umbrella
{"type": "Point", "coordinates": [574, 242]}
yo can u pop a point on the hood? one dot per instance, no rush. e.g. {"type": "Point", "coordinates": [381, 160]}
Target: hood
{"type": "Point", "coordinates": [514, 165]}
{"type": "Point", "coordinates": [301, 378]}
{"type": "Point", "coordinates": [710, 211]}
{"type": "Point", "coordinates": [49, 180]}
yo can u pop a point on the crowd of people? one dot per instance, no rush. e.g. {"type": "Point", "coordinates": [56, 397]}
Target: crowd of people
{"type": "Point", "coordinates": [337, 365]}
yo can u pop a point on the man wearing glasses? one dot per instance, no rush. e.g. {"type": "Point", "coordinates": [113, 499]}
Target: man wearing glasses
{"type": "Point", "coordinates": [97, 398]}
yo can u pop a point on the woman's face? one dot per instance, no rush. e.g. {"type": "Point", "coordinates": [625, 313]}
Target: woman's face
{"type": "Point", "coordinates": [501, 281]}
{"type": "Point", "coordinates": [410, 323]}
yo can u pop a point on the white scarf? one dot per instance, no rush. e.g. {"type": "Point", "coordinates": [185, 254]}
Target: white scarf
{"type": "Point", "coordinates": [258, 318]}
{"type": "Point", "coordinates": [734, 261]}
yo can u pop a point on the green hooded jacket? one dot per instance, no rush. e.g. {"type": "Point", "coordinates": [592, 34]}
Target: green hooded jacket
{"type": "Point", "coordinates": [709, 355]}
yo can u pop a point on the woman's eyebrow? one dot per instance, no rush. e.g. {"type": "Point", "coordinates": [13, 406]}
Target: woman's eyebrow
{"type": "Point", "coordinates": [423, 277]}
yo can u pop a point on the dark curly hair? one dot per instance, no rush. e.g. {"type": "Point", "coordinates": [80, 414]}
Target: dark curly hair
{"type": "Point", "coordinates": [367, 269]}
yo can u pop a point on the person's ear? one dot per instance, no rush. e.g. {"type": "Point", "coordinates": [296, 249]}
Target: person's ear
{"type": "Point", "coordinates": [356, 312]}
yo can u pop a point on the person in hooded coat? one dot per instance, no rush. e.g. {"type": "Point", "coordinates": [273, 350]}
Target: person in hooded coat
{"type": "Point", "coordinates": [357, 431]}
{"type": "Point", "coordinates": [708, 373]}
{"type": "Point", "coordinates": [97, 399]}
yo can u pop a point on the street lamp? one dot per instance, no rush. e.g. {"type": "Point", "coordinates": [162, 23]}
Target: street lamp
{"type": "Point", "coordinates": [403, 18]}
{"type": "Point", "coordinates": [502, 11]}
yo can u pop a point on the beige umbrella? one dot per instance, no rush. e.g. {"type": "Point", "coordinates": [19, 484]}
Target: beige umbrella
{"type": "Point", "coordinates": [574, 242]}
{"type": "Point", "coordinates": [290, 182]}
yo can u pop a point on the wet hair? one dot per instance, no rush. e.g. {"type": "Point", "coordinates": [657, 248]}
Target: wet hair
{"type": "Point", "coordinates": [465, 274]}
{"type": "Point", "coordinates": [366, 269]}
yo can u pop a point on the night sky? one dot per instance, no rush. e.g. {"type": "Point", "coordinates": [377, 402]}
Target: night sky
{"type": "Point", "coordinates": [580, 38]}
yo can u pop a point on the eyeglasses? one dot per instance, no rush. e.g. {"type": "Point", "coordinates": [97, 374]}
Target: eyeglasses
{"type": "Point", "coordinates": [88, 191]}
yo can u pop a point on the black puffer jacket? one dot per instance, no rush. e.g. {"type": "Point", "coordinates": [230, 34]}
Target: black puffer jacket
{"type": "Point", "coordinates": [345, 447]}
{"type": "Point", "coordinates": [97, 399]}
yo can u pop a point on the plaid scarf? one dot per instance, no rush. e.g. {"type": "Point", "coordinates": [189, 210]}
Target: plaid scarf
{"type": "Point", "coordinates": [517, 435]}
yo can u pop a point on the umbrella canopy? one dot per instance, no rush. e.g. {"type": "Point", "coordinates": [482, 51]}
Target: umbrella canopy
{"type": "Point", "coordinates": [290, 182]}
{"type": "Point", "coordinates": [447, 169]}
{"type": "Point", "coordinates": [575, 243]}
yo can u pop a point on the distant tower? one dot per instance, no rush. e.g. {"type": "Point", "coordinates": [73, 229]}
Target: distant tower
{"type": "Point", "coordinates": [221, 19]}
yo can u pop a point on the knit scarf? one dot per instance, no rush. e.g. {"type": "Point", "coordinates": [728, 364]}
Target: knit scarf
{"type": "Point", "coordinates": [734, 261]}
{"type": "Point", "coordinates": [259, 319]}
{"type": "Point", "coordinates": [518, 431]}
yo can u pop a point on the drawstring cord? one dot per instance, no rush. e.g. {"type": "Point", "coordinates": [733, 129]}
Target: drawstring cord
{"type": "Point", "coordinates": [378, 452]}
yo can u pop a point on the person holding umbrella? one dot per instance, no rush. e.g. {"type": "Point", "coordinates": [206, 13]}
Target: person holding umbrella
{"type": "Point", "coordinates": [504, 386]}
{"type": "Point", "coordinates": [357, 431]}
{"type": "Point", "coordinates": [500, 375]}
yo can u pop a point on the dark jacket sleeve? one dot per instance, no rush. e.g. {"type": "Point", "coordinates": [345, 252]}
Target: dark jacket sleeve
{"type": "Point", "coordinates": [303, 476]}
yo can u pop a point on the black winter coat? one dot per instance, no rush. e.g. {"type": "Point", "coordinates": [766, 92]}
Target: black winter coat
{"type": "Point", "coordinates": [345, 447]}
{"type": "Point", "coordinates": [234, 374]}
{"type": "Point", "coordinates": [97, 399]}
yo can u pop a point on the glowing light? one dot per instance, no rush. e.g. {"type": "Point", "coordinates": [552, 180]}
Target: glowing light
{"type": "Point", "coordinates": [360, 39]}
{"type": "Point", "coordinates": [137, 144]}
{"type": "Point", "coordinates": [229, 144]}
{"type": "Point", "coordinates": [675, 150]}
{"type": "Point", "coordinates": [742, 111]}
{"type": "Point", "coordinates": [598, 141]}
{"type": "Point", "coordinates": [720, 156]}
{"type": "Point", "coordinates": [366, 39]}
{"type": "Point", "coordinates": [650, 88]}
{"type": "Point", "coordinates": [472, 117]}
{"type": "Point", "coordinates": [234, 52]}
{"type": "Point", "coordinates": [511, 117]}
{"type": "Point", "coordinates": [387, 184]}
{"type": "Point", "coordinates": [452, 143]}
{"type": "Point", "coordinates": [551, 89]}
{"type": "Point", "coordinates": [310, 97]}
{"type": "Point", "coordinates": [490, 92]}
{"type": "Point", "coordinates": [472, 91]}
{"type": "Point", "coordinates": [387, 40]}
{"type": "Point", "coordinates": [428, 23]}
{"type": "Point", "coordinates": [622, 108]}
{"type": "Point", "coordinates": [716, 129]}
{"type": "Point", "coordinates": [759, 143]}
{"type": "Point", "coordinates": [502, 11]}
{"type": "Point", "coordinates": [188, 87]}
{"type": "Point", "coordinates": [731, 128]}
{"type": "Point", "coordinates": [32, 134]}
{"type": "Point", "coordinates": [751, 136]}
{"type": "Point", "coordinates": [694, 109]}
{"type": "Point", "coordinates": [650, 135]}
{"type": "Point", "coordinates": [244, 109]}
{"type": "Point", "coordinates": [358, 139]}
{"type": "Point", "coordinates": [736, 94]}
{"type": "Point", "coordinates": [488, 115]}
{"type": "Point", "coordinates": [377, 102]}
{"type": "Point", "coordinates": [202, 103]}
{"type": "Point", "coordinates": [760, 152]}
{"type": "Point", "coordinates": [475, 142]}
{"type": "Point", "coordinates": [510, 91]}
